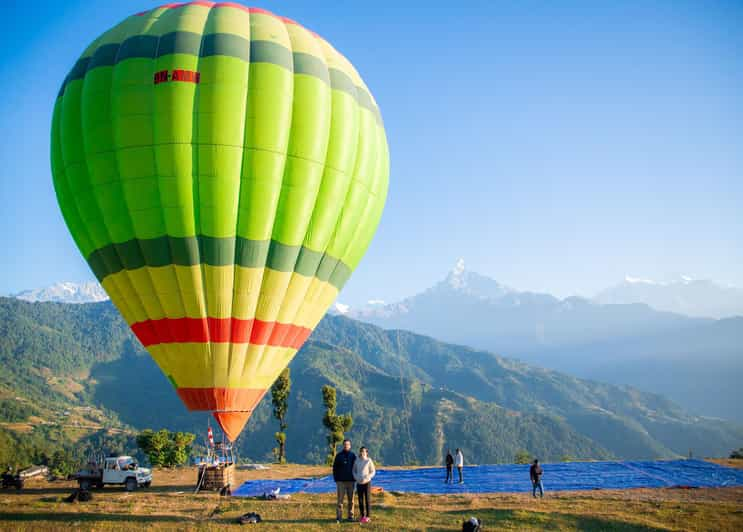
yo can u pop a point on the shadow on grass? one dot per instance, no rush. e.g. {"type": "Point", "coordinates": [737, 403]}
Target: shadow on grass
{"type": "Point", "coordinates": [493, 519]}
{"type": "Point", "coordinates": [38, 491]}
{"type": "Point", "coordinates": [324, 522]}
{"type": "Point", "coordinates": [82, 516]}
{"type": "Point", "coordinates": [108, 489]}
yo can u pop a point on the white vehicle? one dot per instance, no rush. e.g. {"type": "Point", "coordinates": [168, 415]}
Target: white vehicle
{"type": "Point", "coordinates": [121, 470]}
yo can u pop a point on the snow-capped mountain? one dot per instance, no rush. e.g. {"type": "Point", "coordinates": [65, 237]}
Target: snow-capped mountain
{"type": "Point", "coordinates": [472, 309]}
{"type": "Point", "coordinates": [464, 281]}
{"type": "Point", "coordinates": [339, 308]}
{"type": "Point", "coordinates": [683, 295]}
{"type": "Point", "coordinates": [696, 361]}
{"type": "Point", "coordinates": [458, 282]}
{"type": "Point", "coordinates": [66, 292]}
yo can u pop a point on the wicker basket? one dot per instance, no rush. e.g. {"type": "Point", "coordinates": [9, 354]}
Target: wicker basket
{"type": "Point", "coordinates": [216, 477]}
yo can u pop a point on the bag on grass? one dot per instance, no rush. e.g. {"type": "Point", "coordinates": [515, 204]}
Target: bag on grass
{"type": "Point", "coordinates": [472, 525]}
{"type": "Point", "coordinates": [250, 518]}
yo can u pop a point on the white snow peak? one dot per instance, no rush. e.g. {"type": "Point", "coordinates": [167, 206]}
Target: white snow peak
{"type": "Point", "coordinates": [65, 292]}
{"type": "Point", "coordinates": [456, 276]}
{"type": "Point", "coordinates": [637, 280]}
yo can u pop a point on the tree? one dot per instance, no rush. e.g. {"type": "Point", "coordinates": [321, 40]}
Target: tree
{"type": "Point", "coordinates": [179, 448]}
{"type": "Point", "coordinates": [737, 455]}
{"type": "Point", "coordinates": [165, 448]}
{"type": "Point", "coordinates": [154, 445]}
{"type": "Point", "coordinates": [60, 463]}
{"type": "Point", "coordinates": [280, 400]}
{"type": "Point", "coordinates": [336, 424]}
{"type": "Point", "coordinates": [522, 457]}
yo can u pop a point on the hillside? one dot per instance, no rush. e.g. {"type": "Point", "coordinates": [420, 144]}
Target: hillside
{"type": "Point", "coordinates": [696, 362]}
{"type": "Point", "coordinates": [411, 396]}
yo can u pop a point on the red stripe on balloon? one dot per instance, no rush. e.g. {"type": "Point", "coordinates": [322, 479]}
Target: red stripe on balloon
{"type": "Point", "coordinates": [220, 330]}
{"type": "Point", "coordinates": [224, 399]}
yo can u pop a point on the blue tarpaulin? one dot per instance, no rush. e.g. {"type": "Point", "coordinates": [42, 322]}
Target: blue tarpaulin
{"type": "Point", "coordinates": [513, 478]}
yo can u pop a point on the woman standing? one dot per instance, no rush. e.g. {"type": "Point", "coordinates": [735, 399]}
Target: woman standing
{"type": "Point", "coordinates": [363, 472]}
{"type": "Point", "coordinates": [459, 462]}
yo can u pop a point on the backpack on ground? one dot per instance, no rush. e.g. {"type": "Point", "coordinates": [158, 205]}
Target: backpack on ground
{"type": "Point", "coordinates": [249, 519]}
{"type": "Point", "coordinates": [473, 524]}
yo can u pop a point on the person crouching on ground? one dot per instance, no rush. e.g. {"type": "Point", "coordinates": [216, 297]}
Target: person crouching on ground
{"type": "Point", "coordinates": [363, 472]}
{"type": "Point", "coordinates": [343, 476]}
{"type": "Point", "coordinates": [535, 472]}
{"type": "Point", "coordinates": [459, 462]}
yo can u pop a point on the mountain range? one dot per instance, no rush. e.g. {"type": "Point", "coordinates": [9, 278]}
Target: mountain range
{"type": "Point", "coordinates": [65, 292]}
{"type": "Point", "coordinates": [411, 396]}
{"type": "Point", "coordinates": [694, 361]}
{"type": "Point", "coordinates": [684, 295]}
{"type": "Point", "coordinates": [697, 362]}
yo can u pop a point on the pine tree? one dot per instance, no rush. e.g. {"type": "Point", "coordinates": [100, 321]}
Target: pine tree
{"type": "Point", "coordinates": [280, 399]}
{"type": "Point", "coordinates": [336, 424]}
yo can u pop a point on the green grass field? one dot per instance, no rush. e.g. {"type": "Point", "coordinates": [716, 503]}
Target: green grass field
{"type": "Point", "coordinates": [170, 504]}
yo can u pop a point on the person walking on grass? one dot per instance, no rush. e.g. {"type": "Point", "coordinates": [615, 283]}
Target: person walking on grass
{"type": "Point", "coordinates": [363, 472]}
{"type": "Point", "coordinates": [459, 462]}
{"type": "Point", "coordinates": [535, 473]}
{"type": "Point", "coordinates": [449, 467]}
{"type": "Point", "coordinates": [343, 476]}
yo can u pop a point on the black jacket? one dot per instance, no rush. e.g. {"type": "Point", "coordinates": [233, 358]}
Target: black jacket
{"type": "Point", "coordinates": [343, 466]}
{"type": "Point", "coordinates": [535, 472]}
{"type": "Point", "coordinates": [449, 460]}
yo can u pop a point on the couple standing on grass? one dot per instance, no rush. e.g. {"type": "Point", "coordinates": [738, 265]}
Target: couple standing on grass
{"type": "Point", "coordinates": [450, 462]}
{"type": "Point", "coordinates": [350, 470]}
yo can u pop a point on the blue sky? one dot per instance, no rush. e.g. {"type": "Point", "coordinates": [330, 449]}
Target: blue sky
{"type": "Point", "coordinates": [556, 146]}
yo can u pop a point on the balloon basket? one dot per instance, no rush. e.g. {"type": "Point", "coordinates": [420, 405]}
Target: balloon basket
{"type": "Point", "coordinates": [215, 477]}
{"type": "Point", "coordinates": [217, 472]}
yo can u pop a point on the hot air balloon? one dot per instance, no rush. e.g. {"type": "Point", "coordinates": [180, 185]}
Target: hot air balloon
{"type": "Point", "coordinates": [222, 170]}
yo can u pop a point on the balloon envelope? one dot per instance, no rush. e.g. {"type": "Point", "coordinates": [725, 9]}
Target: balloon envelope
{"type": "Point", "coordinates": [222, 170]}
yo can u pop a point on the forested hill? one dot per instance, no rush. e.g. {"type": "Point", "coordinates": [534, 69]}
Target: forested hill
{"type": "Point", "coordinates": [72, 368]}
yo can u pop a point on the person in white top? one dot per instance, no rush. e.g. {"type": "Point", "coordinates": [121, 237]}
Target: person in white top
{"type": "Point", "coordinates": [459, 462]}
{"type": "Point", "coordinates": [363, 472]}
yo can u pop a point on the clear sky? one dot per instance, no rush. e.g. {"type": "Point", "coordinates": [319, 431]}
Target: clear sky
{"type": "Point", "coordinates": [556, 146]}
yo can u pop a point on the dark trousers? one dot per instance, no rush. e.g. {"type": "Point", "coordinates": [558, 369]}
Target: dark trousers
{"type": "Point", "coordinates": [344, 490]}
{"type": "Point", "coordinates": [459, 470]}
{"type": "Point", "coordinates": [537, 485]}
{"type": "Point", "coordinates": [363, 491]}
{"type": "Point", "coordinates": [449, 474]}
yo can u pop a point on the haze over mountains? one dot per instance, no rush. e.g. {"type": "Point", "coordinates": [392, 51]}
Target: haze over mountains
{"type": "Point", "coordinates": [695, 361]}
{"type": "Point", "coordinates": [411, 396]}
{"type": "Point", "coordinates": [684, 295]}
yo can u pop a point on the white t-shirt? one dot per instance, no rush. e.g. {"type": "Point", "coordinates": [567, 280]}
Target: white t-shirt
{"type": "Point", "coordinates": [459, 459]}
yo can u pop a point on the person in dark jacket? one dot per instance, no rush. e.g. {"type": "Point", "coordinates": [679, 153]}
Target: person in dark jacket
{"type": "Point", "coordinates": [449, 468]}
{"type": "Point", "coordinates": [535, 472]}
{"type": "Point", "coordinates": [344, 481]}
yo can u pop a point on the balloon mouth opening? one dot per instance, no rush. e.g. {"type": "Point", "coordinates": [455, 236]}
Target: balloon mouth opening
{"type": "Point", "coordinates": [232, 422]}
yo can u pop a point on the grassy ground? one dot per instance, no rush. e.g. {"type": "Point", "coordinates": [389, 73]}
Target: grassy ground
{"type": "Point", "coordinates": [170, 504]}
